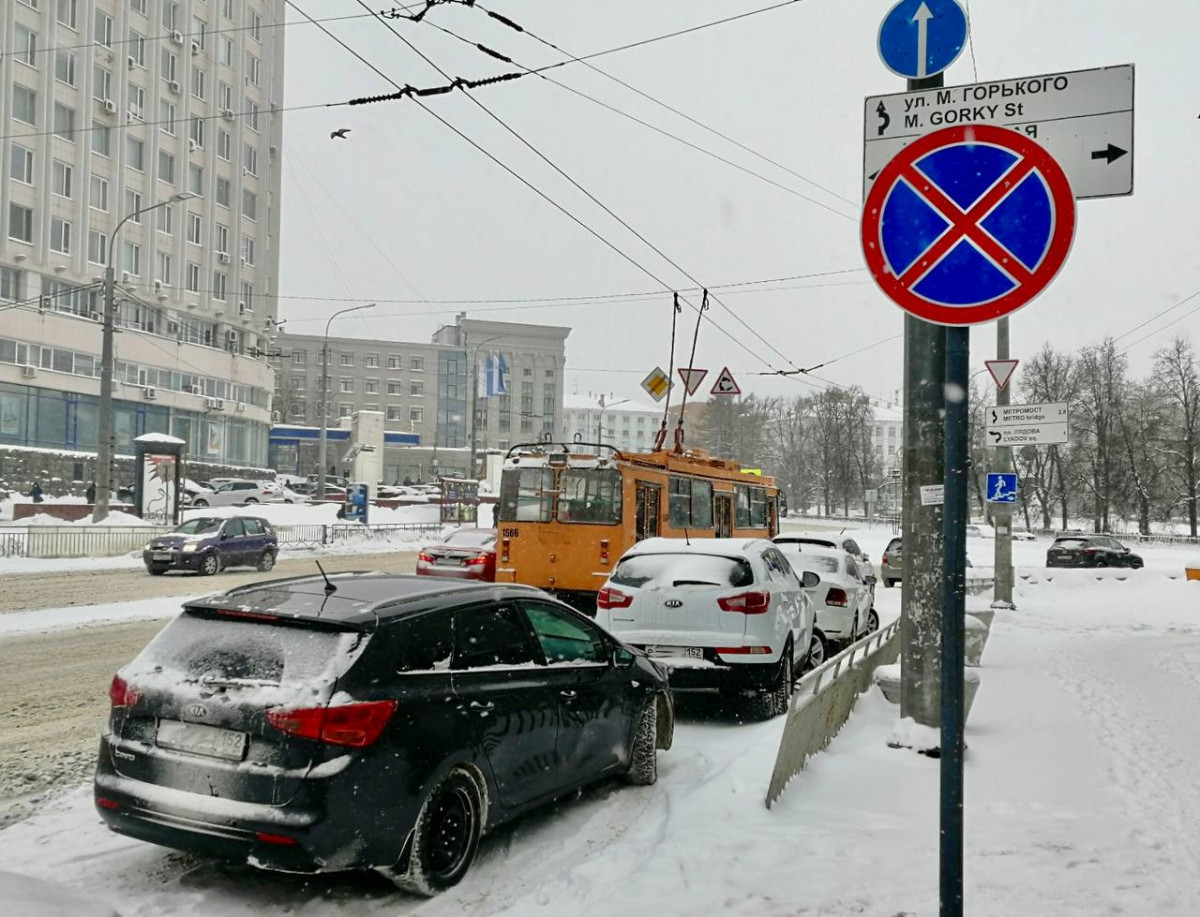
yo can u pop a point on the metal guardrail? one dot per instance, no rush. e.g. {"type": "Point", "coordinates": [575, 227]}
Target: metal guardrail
{"type": "Point", "coordinates": [823, 699]}
{"type": "Point", "coordinates": [46, 541]}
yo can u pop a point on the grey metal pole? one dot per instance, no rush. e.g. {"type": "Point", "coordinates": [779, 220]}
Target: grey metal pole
{"type": "Point", "coordinates": [104, 436]}
{"type": "Point", "coordinates": [1002, 513]}
{"type": "Point", "coordinates": [920, 601]}
{"type": "Point", "coordinates": [954, 534]}
{"type": "Point", "coordinates": [327, 382]}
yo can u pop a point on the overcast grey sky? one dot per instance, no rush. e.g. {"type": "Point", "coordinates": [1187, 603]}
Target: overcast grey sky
{"type": "Point", "coordinates": [406, 210]}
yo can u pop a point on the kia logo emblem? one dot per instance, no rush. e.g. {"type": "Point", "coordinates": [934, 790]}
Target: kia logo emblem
{"type": "Point", "coordinates": [673, 603]}
{"type": "Point", "coordinates": [199, 711]}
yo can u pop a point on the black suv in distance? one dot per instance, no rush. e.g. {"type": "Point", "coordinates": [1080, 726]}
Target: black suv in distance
{"type": "Point", "coordinates": [1079, 550]}
{"type": "Point", "coordinates": [376, 721]}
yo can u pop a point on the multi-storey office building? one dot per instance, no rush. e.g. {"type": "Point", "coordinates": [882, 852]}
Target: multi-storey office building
{"type": "Point", "coordinates": [111, 107]}
{"type": "Point", "coordinates": [629, 426]}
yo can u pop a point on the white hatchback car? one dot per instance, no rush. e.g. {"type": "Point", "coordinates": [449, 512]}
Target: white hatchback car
{"type": "Point", "coordinates": [236, 493]}
{"type": "Point", "coordinates": [845, 596]}
{"type": "Point", "coordinates": [725, 613]}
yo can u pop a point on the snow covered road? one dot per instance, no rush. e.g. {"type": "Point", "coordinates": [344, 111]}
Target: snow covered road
{"type": "Point", "coordinates": [1081, 800]}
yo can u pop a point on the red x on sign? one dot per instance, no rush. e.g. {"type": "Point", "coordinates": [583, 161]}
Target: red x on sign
{"type": "Point", "coordinates": [968, 224]}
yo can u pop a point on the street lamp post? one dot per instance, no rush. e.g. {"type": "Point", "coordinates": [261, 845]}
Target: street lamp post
{"type": "Point", "coordinates": [600, 419]}
{"type": "Point", "coordinates": [105, 444]}
{"type": "Point", "coordinates": [471, 473]}
{"type": "Point", "coordinates": [326, 381]}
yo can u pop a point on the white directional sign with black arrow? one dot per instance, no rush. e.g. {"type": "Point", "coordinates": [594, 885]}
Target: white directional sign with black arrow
{"type": "Point", "coordinates": [1084, 119]}
{"type": "Point", "coordinates": [1027, 425]}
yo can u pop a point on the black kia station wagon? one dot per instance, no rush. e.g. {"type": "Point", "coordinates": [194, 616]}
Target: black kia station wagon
{"type": "Point", "coordinates": [370, 721]}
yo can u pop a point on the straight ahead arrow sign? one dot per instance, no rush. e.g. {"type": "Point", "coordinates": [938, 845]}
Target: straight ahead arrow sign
{"type": "Point", "coordinates": [1111, 155]}
{"type": "Point", "coordinates": [921, 18]}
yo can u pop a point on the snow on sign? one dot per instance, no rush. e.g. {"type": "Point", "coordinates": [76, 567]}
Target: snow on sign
{"type": "Point", "coordinates": [1084, 119]}
{"type": "Point", "coordinates": [657, 384]}
{"type": "Point", "coordinates": [968, 224]}
{"type": "Point", "coordinates": [921, 38]}
{"type": "Point", "coordinates": [692, 378]}
{"type": "Point", "coordinates": [1001, 371]}
{"type": "Point", "coordinates": [725, 384]}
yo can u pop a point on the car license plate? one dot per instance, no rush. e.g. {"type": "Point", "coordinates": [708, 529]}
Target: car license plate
{"type": "Point", "coordinates": [675, 652]}
{"type": "Point", "coordinates": [451, 561]}
{"type": "Point", "coordinates": [161, 555]}
{"type": "Point", "coordinates": [199, 739]}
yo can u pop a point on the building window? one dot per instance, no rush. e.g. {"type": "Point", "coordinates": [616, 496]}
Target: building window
{"type": "Point", "coordinates": [395, 388]}
{"type": "Point", "coordinates": [101, 84]}
{"type": "Point", "coordinates": [222, 191]}
{"type": "Point", "coordinates": [371, 361]}
{"type": "Point", "coordinates": [98, 193]}
{"type": "Point", "coordinates": [196, 134]}
{"type": "Point", "coordinates": [137, 101]}
{"type": "Point", "coordinates": [346, 386]}
{"type": "Point", "coordinates": [166, 117]}
{"type": "Point", "coordinates": [166, 219]}
{"type": "Point", "coordinates": [135, 153]}
{"type": "Point", "coordinates": [133, 203]}
{"type": "Point", "coordinates": [193, 277]}
{"type": "Point", "coordinates": [101, 139]}
{"type": "Point", "coordinates": [371, 387]}
{"type": "Point", "coordinates": [137, 48]}
{"type": "Point", "coordinates": [417, 364]}
{"type": "Point", "coordinates": [21, 165]}
{"type": "Point", "coordinates": [67, 12]}
{"type": "Point", "coordinates": [248, 296]}
{"type": "Point", "coordinates": [131, 258]}
{"type": "Point", "coordinates": [248, 250]}
{"type": "Point", "coordinates": [218, 285]}
{"type": "Point", "coordinates": [345, 410]}
{"type": "Point", "coordinates": [346, 359]}
{"type": "Point", "coordinates": [170, 64]}
{"type": "Point", "coordinates": [162, 267]}
{"type": "Point", "coordinates": [195, 178]}
{"type": "Point", "coordinates": [394, 361]}
{"type": "Point", "coordinates": [222, 241]}
{"type": "Point", "coordinates": [138, 6]}
{"type": "Point", "coordinates": [249, 204]}
{"type": "Point", "coordinates": [60, 176]}
{"type": "Point", "coordinates": [198, 78]}
{"type": "Point", "coordinates": [102, 29]}
{"type": "Point", "coordinates": [252, 65]}
{"type": "Point", "coordinates": [252, 115]}
{"type": "Point", "coordinates": [24, 104]}
{"type": "Point", "coordinates": [25, 49]}
{"type": "Point", "coordinates": [194, 228]}
{"type": "Point", "coordinates": [226, 55]}
{"type": "Point", "coordinates": [223, 144]}
{"type": "Point", "coordinates": [395, 412]}
{"type": "Point", "coordinates": [64, 66]}
{"type": "Point", "coordinates": [250, 159]}
{"type": "Point", "coordinates": [300, 356]}
{"type": "Point", "coordinates": [60, 236]}
{"type": "Point", "coordinates": [10, 284]}
{"type": "Point", "coordinates": [416, 415]}
{"type": "Point", "coordinates": [416, 389]}
{"type": "Point", "coordinates": [253, 24]}
{"type": "Point", "coordinates": [20, 223]}
{"type": "Point", "coordinates": [166, 167]}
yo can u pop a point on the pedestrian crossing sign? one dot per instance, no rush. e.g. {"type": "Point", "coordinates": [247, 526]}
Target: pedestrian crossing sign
{"type": "Point", "coordinates": [657, 384]}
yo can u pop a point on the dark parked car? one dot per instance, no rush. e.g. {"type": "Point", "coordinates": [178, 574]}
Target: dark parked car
{"type": "Point", "coordinates": [207, 545]}
{"type": "Point", "coordinates": [370, 721]}
{"type": "Point", "coordinates": [1079, 550]}
{"type": "Point", "coordinates": [466, 554]}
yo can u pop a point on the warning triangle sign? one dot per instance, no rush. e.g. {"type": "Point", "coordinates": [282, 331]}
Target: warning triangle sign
{"type": "Point", "coordinates": [725, 384]}
{"type": "Point", "coordinates": [1002, 371]}
{"type": "Point", "coordinates": [692, 378]}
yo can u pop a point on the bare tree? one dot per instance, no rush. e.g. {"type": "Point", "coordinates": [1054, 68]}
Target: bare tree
{"type": "Point", "coordinates": [1100, 374]}
{"type": "Point", "coordinates": [1049, 378]}
{"type": "Point", "coordinates": [1177, 383]}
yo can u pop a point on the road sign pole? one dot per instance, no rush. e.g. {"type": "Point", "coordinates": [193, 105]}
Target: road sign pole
{"type": "Point", "coordinates": [1002, 513]}
{"type": "Point", "coordinates": [954, 535]}
{"type": "Point", "coordinates": [920, 602]}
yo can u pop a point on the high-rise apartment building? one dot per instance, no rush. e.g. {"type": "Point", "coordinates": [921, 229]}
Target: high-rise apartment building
{"type": "Point", "coordinates": [110, 107]}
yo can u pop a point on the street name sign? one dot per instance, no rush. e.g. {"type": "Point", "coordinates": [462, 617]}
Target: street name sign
{"type": "Point", "coordinates": [921, 38]}
{"type": "Point", "coordinates": [1083, 118]}
{"type": "Point", "coordinates": [1001, 371]}
{"type": "Point", "coordinates": [1001, 487]}
{"type": "Point", "coordinates": [1027, 425]}
{"type": "Point", "coordinates": [725, 384]}
{"type": "Point", "coordinates": [657, 384]}
{"type": "Point", "coordinates": [967, 224]}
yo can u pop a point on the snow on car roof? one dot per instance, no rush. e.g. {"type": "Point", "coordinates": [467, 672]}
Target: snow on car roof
{"type": "Point", "coordinates": [812, 549]}
{"type": "Point", "coordinates": [715, 546]}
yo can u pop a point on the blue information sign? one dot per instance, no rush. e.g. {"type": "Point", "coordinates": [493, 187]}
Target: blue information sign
{"type": "Point", "coordinates": [1002, 487]}
{"type": "Point", "coordinates": [921, 38]}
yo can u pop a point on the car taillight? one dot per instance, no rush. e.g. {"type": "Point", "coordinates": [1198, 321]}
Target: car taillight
{"type": "Point", "coordinates": [837, 597]}
{"type": "Point", "coordinates": [885, 560]}
{"type": "Point", "coordinates": [613, 598]}
{"type": "Point", "coordinates": [425, 558]}
{"type": "Point", "coordinates": [477, 560]}
{"type": "Point", "coordinates": [1088, 551]}
{"type": "Point", "coordinates": [744, 650]}
{"type": "Point", "coordinates": [747, 603]}
{"type": "Point", "coordinates": [603, 550]}
{"type": "Point", "coordinates": [504, 550]}
{"type": "Point", "coordinates": [355, 725]}
{"type": "Point", "coordinates": [122, 694]}
{"type": "Point", "coordinates": [267, 837]}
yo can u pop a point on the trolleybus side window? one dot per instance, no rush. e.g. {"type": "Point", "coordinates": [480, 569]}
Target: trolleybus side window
{"type": "Point", "coordinates": [526, 494]}
{"type": "Point", "coordinates": [690, 503]}
{"type": "Point", "coordinates": [590, 495]}
{"type": "Point", "coordinates": [751, 507]}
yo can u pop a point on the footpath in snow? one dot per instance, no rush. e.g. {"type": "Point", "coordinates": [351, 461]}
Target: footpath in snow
{"type": "Point", "coordinates": [1080, 793]}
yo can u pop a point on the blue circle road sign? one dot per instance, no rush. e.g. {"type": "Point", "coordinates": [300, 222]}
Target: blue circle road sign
{"type": "Point", "coordinates": [968, 224]}
{"type": "Point", "coordinates": [921, 38]}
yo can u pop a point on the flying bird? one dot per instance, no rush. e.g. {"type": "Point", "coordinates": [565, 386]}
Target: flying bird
{"type": "Point", "coordinates": [340, 133]}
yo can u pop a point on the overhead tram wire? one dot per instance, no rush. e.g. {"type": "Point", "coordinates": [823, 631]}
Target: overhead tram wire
{"type": "Point", "coordinates": [657, 101]}
{"type": "Point", "coordinates": [646, 124]}
{"type": "Point", "coordinates": [594, 199]}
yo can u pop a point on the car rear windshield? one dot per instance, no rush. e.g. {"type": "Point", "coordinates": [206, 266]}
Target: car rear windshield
{"type": "Point", "coordinates": [194, 650]}
{"type": "Point", "coordinates": [895, 544]}
{"type": "Point", "coordinates": [816, 562]}
{"type": "Point", "coordinates": [683, 570]}
{"type": "Point", "coordinates": [198, 526]}
{"type": "Point", "coordinates": [480, 538]}
{"type": "Point", "coordinates": [1071, 544]}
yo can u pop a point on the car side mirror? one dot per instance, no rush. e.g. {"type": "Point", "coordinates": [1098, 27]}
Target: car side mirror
{"type": "Point", "coordinates": [621, 657]}
{"type": "Point", "coordinates": [810, 579]}
{"type": "Point", "coordinates": [870, 580]}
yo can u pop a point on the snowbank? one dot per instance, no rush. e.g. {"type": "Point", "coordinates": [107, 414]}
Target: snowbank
{"type": "Point", "coordinates": [115, 517]}
{"type": "Point", "coordinates": [24, 896]}
{"type": "Point", "coordinates": [316, 513]}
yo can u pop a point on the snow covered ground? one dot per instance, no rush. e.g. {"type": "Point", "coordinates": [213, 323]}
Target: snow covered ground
{"type": "Point", "coordinates": [1081, 800]}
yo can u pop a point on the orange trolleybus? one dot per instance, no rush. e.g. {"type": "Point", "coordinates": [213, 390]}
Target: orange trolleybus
{"type": "Point", "coordinates": [568, 512]}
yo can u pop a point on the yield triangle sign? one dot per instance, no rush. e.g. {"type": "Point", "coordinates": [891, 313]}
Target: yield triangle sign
{"type": "Point", "coordinates": [725, 384]}
{"type": "Point", "coordinates": [692, 378]}
{"type": "Point", "coordinates": [1002, 371]}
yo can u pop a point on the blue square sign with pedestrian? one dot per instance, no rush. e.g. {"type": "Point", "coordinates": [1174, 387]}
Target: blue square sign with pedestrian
{"type": "Point", "coordinates": [1001, 487]}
